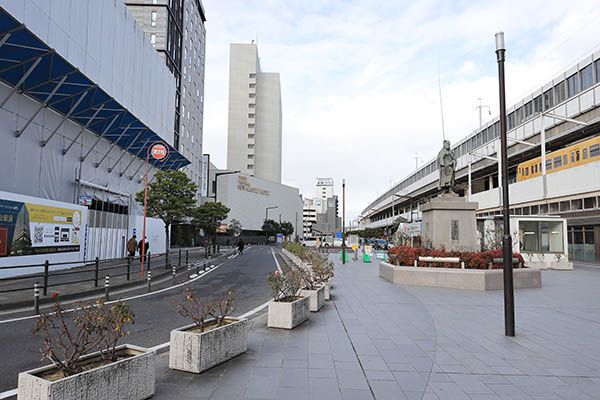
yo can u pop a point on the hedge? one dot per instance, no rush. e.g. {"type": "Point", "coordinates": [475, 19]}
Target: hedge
{"type": "Point", "coordinates": [407, 255]}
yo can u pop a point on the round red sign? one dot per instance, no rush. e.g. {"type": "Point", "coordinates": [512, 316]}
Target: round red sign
{"type": "Point", "coordinates": [159, 151]}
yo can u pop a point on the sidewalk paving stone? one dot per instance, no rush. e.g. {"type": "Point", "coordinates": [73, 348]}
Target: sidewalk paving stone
{"type": "Point", "coordinates": [384, 341]}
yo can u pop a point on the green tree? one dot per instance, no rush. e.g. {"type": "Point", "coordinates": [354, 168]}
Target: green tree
{"type": "Point", "coordinates": [396, 224]}
{"type": "Point", "coordinates": [208, 217]}
{"type": "Point", "coordinates": [270, 227]}
{"type": "Point", "coordinates": [287, 228]}
{"type": "Point", "coordinates": [170, 198]}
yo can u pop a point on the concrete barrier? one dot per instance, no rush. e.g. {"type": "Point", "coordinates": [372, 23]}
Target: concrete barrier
{"type": "Point", "coordinates": [470, 279]}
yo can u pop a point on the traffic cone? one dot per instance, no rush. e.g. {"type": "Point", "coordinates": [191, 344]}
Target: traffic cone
{"type": "Point", "coordinates": [366, 258]}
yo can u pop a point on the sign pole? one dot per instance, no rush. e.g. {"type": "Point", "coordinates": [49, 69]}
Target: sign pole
{"type": "Point", "coordinates": [159, 151]}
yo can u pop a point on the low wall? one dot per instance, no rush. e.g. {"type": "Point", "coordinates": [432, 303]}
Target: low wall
{"type": "Point", "coordinates": [471, 279]}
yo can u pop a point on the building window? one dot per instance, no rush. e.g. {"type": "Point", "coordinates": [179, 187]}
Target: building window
{"type": "Point", "coordinates": [537, 105]}
{"type": "Point", "coordinates": [557, 162]}
{"type": "Point", "coordinates": [250, 156]}
{"type": "Point", "coordinates": [252, 75]}
{"type": "Point", "coordinates": [595, 150]}
{"type": "Point", "coordinates": [573, 85]}
{"type": "Point", "coordinates": [252, 95]}
{"type": "Point", "coordinates": [528, 109]}
{"type": "Point", "coordinates": [252, 85]}
{"type": "Point", "coordinates": [560, 92]}
{"type": "Point", "coordinates": [250, 146]}
{"type": "Point", "coordinates": [251, 126]}
{"type": "Point", "coordinates": [585, 154]}
{"type": "Point", "coordinates": [250, 166]}
{"type": "Point", "coordinates": [541, 236]}
{"type": "Point", "coordinates": [251, 105]}
{"type": "Point", "coordinates": [548, 99]}
{"type": "Point", "coordinates": [587, 77]}
{"type": "Point", "coordinates": [251, 136]}
{"type": "Point", "coordinates": [153, 18]}
{"type": "Point", "coordinates": [597, 64]}
{"type": "Point", "coordinates": [153, 39]}
{"type": "Point", "coordinates": [251, 115]}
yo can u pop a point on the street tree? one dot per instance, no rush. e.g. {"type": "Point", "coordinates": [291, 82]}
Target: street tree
{"type": "Point", "coordinates": [287, 228]}
{"type": "Point", "coordinates": [171, 198]}
{"type": "Point", "coordinates": [271, 227]}
{"type": "Point", "coordinates": [208, 216]}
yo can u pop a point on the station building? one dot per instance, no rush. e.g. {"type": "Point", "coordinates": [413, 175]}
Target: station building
{"type": "Point", "coordinates": [83, 96]}
{"type": "Point", "coordinates": [553, 161]}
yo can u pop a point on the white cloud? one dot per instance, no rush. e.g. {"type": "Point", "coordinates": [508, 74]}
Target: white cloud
{"type": "Point", "coordinates": [359, 78]}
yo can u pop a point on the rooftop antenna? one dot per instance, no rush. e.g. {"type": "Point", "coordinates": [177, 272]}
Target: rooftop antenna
{"type": "Point", "coordinates": [480, 107]}
{"type": "Point", "coordinates": [441, 105]}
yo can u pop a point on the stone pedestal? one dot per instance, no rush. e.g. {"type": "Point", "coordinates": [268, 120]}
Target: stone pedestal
{"type": "Point", "coordinates": [449, 222]}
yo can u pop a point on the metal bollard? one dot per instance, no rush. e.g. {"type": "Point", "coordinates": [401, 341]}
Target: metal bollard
{"type": "Point", "coordinates": [36, 298]}
{"type": "Point", "coordinates": [218, 249]}
{"type": "Point", "coordinates": [462, 264]}
{"type": "Point", "coordinates": [174, 269]}
{"type": "Point", "coordinates": [179, 262]}
{"type": "Point", "coordinates": [128, 268]}
{"type": "Point", "coordinates": [204, 267]}
{"type": "Point", "coordinates": [149, 279]}
{"type": "Point", "coordinates": [106, 288]}
{"type": "Point", "coordinates": [189, 269]}
{"type": "Point", "coordinates": [198, 267]}
{"type": "Point", "coordinates": [46, 272]}
{"type": "Point", "coordinates": [186, 256]}
{"type": "Point", "coordinates": [415, 263]}
{"type": "Point", "coordinates": [148, 259]}
{"type": "Point", "coordinates": [97, 267]}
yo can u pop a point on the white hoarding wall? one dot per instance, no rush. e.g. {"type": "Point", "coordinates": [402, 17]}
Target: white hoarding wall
{"type": "Point", "coordinates": [33, 230]}
{"type": "Point", "coordinates": [248, 198]}
{"type": "Point", "coordinates": [155, 232]}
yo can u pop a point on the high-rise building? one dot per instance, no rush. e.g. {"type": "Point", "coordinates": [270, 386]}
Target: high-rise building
{"type": "Point", "coordinates": [254, 121]}
{"type": "Point", "coordinates": [176, 29]}
{"type": "Point", "coordinates": [323, 191]}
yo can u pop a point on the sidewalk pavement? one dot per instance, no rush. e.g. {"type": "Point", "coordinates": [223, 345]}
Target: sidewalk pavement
{"type": "Point", "coordinates": [377, 340]}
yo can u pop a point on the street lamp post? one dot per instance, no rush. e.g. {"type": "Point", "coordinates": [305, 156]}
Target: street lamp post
{"type": "Point", "coordinates": [219, 174]}
{"type": "Point", "coordinates": [509, 300]}
{"type": "Point", "coordinates": [343, 221]}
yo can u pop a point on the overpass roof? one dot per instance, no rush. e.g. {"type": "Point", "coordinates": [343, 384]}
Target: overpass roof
{"type": "Point", "coordinates": [30, 66]}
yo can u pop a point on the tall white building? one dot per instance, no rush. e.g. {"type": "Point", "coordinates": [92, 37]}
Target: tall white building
{"type": "Point", "coordinates": [323, 191]}
{"type": "Point", "coordinates": [254, 122]}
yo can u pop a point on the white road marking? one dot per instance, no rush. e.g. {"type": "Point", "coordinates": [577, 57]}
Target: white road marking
{"type": "Point", "coordinates": [276, 262]}
{"type": "Point", "coordinates": [8, 393]}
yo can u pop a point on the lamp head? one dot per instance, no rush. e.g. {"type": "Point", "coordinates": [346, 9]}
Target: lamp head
{"type": "Point", "coordinates": [500, 41]}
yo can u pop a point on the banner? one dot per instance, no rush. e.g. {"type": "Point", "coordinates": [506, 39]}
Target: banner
{"type": "Point", "coordinates": [204, 177]}
{"type": "Point", "coordinates": [30, 228]}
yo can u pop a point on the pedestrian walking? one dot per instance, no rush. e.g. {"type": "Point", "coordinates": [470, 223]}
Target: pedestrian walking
{"type": "Point", "coordinates": [132, 246]}
{"type": "Point", "coordinates": [143, 247]}
{"type": "Point", "coordinates": [241, 246]}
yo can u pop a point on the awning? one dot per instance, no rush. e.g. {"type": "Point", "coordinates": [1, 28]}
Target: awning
{"type": "Point", "coordinates": [30, 66]}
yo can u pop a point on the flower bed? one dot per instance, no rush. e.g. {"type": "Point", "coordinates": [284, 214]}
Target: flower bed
{"type": "Point", "coordinates": [406, 256]}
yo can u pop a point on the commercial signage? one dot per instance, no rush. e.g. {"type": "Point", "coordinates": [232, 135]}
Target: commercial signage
{"type": "Point", "coordinates": [29, 228]}
{"type": "Point", "coordinates": [222, 228]}
{"type": "Point", "coordinates": [410, 229]}
{"type": "Point", "coordinates": [159, 151]}
{"type": "Point", "coordinates": [244, 184]}
{"type": "Point", "coordinates": [85, 200]}
{"type": "Point", "coordinates": [279, 238]}
{"type": "Point", "coordinates": [204, 170]}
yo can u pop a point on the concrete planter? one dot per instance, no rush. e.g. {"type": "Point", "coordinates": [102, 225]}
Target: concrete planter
{"type": "Point", "coordinates": [197, 352]}
{"type": "Point", "coordinates": [317, 297]}
{"type": "Point", "coordinates": [327, 290]}
{"type": "Point", "coordinates": [288, 315]}
{"type": "Point", "coordinates": [472, 279]}
{"type": "Point", "coordinates": [131, 379]}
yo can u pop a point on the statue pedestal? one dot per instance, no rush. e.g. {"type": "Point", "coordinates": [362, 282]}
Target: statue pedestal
{"type": "Point", "coordinates": [449, 222]}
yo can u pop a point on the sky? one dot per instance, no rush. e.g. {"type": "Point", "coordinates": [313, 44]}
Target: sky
{"type": "Point", "coordinates": [360, 79]}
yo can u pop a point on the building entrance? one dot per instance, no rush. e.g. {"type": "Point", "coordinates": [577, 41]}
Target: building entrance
{"type": "Point", "coordinates": [583, 243]}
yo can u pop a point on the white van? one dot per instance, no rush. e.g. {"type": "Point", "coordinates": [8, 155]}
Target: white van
{"type": "Point", "coordinates": [309, 242]}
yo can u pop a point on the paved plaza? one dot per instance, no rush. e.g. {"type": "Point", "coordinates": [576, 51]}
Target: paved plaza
{"type": "Point", "coordinates": [378, 340]}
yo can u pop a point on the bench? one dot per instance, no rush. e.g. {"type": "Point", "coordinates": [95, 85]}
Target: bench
{"type": "Point", "coordinates": [455, 260]}
{"type": "Point", "coordinates": [515, 261]}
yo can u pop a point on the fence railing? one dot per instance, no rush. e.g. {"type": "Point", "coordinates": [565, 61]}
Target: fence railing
{"type": "Point", "coordinates": [94, 270]}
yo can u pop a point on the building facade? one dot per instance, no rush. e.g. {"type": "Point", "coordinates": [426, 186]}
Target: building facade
{"type": "Point", "coordinates": [254, 130]}
{"type": "Point", "coordinates": [561, 117]}
{"type": "Point", "coordinates": [176, 29]}
{"type": "Point", "coordinates": [320, 215]}
{"type": "Point", "coordinates": [77, 120]}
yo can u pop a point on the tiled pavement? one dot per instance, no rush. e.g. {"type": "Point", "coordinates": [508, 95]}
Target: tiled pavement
{"type": "Point", "coordinates": [383, 341]}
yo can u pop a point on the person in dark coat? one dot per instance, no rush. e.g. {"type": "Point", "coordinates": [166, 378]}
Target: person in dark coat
{"type": "Point", "coordinates": [145, 247]}
{"type": "Point", "coordinates": [241, 246]}
{"type": "Point", "coordinates": [132, 246]}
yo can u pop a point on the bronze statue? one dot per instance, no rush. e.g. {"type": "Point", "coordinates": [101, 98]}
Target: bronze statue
{"type": "Point", "coordinates": [447, 164]}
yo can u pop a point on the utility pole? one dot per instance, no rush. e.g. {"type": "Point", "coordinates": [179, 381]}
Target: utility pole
{"type": "Point", "coordinates": [343, 221]}
{"type": "Point", "coordinates": [509, 297]}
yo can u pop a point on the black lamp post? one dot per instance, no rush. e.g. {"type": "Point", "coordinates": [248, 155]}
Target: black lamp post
{"type": "Point", "coordinates": [219, 174]}
{"type": "Point", "coordinates": [343, 221]}
{"type": "Point", "coordinates": [509, 298]}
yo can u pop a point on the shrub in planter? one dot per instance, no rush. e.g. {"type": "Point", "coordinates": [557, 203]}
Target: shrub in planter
{"type": "Point", "coordinates": [406, 256]}
{"type": "Point", "coordinates": [322, 268]}
{"type": "Point", "coordinates": [213, 338]}
{"type": "Point", "coordinates": [288, 309]}
{"type": "Point", "coordinates": [75, 372]}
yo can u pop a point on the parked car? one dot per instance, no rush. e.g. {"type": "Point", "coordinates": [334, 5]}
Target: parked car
{"type": "Point", "coordinates": [379, 244]}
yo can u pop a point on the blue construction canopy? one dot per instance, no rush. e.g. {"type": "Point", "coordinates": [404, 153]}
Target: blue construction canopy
{"type": "Point", "coordinates": [35, 69]}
